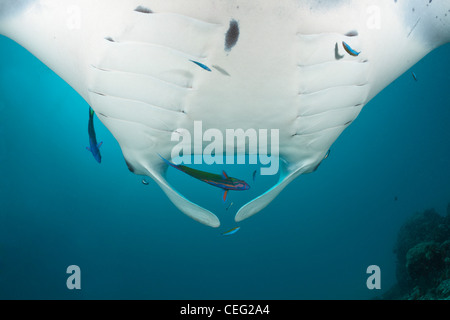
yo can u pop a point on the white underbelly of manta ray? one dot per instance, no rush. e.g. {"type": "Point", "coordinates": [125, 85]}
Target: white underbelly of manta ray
{"type": "Point", "coordinates": [171, 70]}
{"type": "Point", "coordinates": [303, 68]}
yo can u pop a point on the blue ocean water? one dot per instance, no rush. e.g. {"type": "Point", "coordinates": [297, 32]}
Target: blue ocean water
{"type": "Point", "coordinates": [58, 207]}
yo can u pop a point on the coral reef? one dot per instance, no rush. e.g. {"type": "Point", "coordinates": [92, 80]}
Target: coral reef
{"type": "Point", "coordinates": [423, 258]}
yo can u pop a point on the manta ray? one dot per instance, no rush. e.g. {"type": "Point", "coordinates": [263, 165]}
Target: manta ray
{"type": "Point", "coordinates": [150, 67]}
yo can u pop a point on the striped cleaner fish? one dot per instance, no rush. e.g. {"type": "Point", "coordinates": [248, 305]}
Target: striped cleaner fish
{"type": "Point", "coordinates": [222, 181]}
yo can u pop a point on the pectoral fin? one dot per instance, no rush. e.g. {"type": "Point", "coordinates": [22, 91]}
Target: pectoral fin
{"type": "Point", "coordinates": [225, 194]}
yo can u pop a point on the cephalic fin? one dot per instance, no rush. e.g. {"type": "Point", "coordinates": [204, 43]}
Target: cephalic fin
{"type": "Point", "coordinates": [191, 209]}
{"type": "Point", "coordinates": [263, 200]}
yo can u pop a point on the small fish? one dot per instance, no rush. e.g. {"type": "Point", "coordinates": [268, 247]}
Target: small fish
{"type": "Point", "coordinates": [327, 155]}
{"type": "Point", "coordinates": [231, 231]}
{"type": "Point", "coordinates": [201, 65]}
{"type": "Point", "coordinates": [414, 76]}
{"type": "Point", "coordinates": [349, 50]}
{"type": "Point", "coordinates": [94, 147]}
{"type": "Point", "coordinates": [254, 175]}
{"type": "Point", "coordinates": [145, 182]}
{"type": "Point", "coordinates": [221, 181]}
{"type": "Point", "coordinates": [229, 206]}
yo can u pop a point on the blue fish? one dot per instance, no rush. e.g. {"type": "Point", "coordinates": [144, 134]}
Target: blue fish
{"type": "Point", "coordinates": [414, 76]}
{"type": "Point", "coordinates": [94, 147]}
{"type": "Point", "coordinates": [201, 65]}
{"type": "Point", "coordinates": [230, 232]}
{"type": "Point", "coordinates": [349, 50]}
